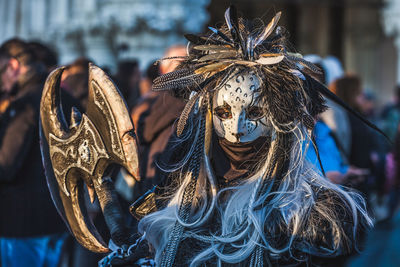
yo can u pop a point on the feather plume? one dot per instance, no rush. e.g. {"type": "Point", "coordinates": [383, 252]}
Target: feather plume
{"type": "Point", "coordinates": [219, 48]}
{"type": "Point", "coordinates": [308, 121]}
{"type": "Point", "coordinates": [241, 62]}
{"type": "Point", "coordinates": [219, 66]}
{"type": "Point", "coordinates": [185, 114]}
{"type": "Point", "coordinates": [221, 55]}
{"type": "Point", "coordinates": [228, 19]}
{"type": "Point", "coordinates": [270, 55]}
{"type": "Point", "coordinates": [177, 79]}
{"type": "Point", "coordinates": [267, 30]}
{"type": "Point", "coordinates": [304, 63]}
{"type": "Point", "coordinates": [212, 69]}
{"type": "Point", "coordinates": [200, 40]}
{"type": "Point", "coordinates": [220, 34]}
{"type": "Point", "coordinates": [270, 60]}
{"type": "Point", "coordinates": [235, 29]}
{"type": "Point", "coordinates": [249, 47]}
{"type": "Point", "coordinates": [195, 39]}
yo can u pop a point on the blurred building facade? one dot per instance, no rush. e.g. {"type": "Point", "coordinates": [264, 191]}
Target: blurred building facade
{"type": "Point", "coordinates": [103, 30]}
{"type": "Point", "coordinates": [363, 34]}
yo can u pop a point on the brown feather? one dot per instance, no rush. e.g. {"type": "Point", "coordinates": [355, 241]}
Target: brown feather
{"type": "Point", "coordinates": [213, 47]}
{"type": "Point", "coordinates": [185, 114]}
{"type": "Point", "coordinates": [216, 67]}
{"type": "Point", "coordinates": [268, 30]}
{"type": "Point", "coordinates": [217, 56]}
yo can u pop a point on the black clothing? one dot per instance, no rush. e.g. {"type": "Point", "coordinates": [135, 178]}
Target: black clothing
{"type": "Point", "coordinates": [77, 86]}
{"type": "Point", "coordinates": [26, 207]}
{"type": "Point", "coordinates": [154, 130]}
{"type": "Point", "coordinates": [362, 143]}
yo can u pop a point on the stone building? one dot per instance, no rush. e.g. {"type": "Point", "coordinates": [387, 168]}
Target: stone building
{"type": "Point", "coordinates": [105, 31]}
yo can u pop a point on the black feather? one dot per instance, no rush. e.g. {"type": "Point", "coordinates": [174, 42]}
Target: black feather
{"type": "Point", "coordinates": [327, 93]}
{"type": "Point", "coordinates": [185, 114]}
{"type": "Point", "coordinates": [220, 34]}
{"type": "Point", "coordinates": [216, 56]}
{"type": "Point", "coordinates": [304, 63]}
{"type": "Point", "coordinates": [235, 30]}
{"type": "Point", "coordinates": [197, 40]}
{"type": "Point", "coordinates": [177, 80]}
{"type": "Point", "coordinates": [200, 40]}
{"type": "Point", "coordinates": [308, 121]}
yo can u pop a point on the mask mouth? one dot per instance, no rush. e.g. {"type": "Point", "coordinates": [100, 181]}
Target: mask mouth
{"type": "Point", "coordinates": [258, 140]}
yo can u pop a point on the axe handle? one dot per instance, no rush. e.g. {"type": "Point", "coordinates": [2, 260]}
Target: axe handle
{"type": "Point", "coordinates": [112, 211]}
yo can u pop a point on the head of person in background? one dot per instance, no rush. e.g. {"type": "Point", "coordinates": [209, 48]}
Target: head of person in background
{"type": "Point", "coordinates": [331, 68]}
{"type": "Point", "coordinates": [396, 96]}
{"type": "Point", "coordinates": [17, 61]}
{"type": "Point", "coordinates": [169, 61]}
{"type": "Point", "coordinates": [127, 79]}
{"type": "Point", "coordinates": [75, 80]}
{"type": "Point", "coordinates": [174, 53]}
{"type": "Point", "coordinates": [45, 55]}
{"type": "Point", "coordinates": [349, 89]}
{"type": "Point", "coordinates": [368, 104]}
{"type": "Point", "coordinates": [152, 72]}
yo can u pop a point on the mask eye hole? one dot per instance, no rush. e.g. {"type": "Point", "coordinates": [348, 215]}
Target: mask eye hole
{"type": "Point", "coordinates": [255, 113]}
{"type": "Point", "coordinates": [223, 112]}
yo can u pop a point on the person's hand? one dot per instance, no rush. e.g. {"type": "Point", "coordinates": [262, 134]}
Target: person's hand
{"type": "Point", "coordinates": [355, 176]}
{"type": "Point", "coordinates": [354, 171]}
{"type": "Point", "coordinates": [335, 177]}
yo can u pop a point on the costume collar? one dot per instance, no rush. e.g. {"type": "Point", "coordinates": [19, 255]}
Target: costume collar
{"type": "Point", "coordinates": [234, 161]}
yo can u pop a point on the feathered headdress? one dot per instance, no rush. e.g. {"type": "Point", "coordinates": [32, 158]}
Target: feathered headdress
{"type": "Point", "coordinates": [213, 57]}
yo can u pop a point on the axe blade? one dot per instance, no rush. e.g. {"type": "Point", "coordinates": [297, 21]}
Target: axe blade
{"type": "Point", "coordinates": [83, 229]}
{"type": "Point", "coordinates": [79, 154]}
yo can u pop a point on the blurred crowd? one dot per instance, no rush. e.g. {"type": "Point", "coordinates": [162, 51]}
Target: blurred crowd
{"type": "Point", "coordinates": [33, 234]}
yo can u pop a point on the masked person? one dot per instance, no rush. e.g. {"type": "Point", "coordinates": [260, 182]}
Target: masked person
{"type": "Point", "coordinates": [243, 192]}
{"type": "Point", "coordinates": [237, 189]}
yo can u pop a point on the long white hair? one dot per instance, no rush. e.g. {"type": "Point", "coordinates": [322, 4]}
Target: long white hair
{"type": "Point", "coordinates": [282, 215]}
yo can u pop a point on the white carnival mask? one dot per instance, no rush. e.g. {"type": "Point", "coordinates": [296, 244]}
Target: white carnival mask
{"type": "Point", "coordinates": [238, 115]}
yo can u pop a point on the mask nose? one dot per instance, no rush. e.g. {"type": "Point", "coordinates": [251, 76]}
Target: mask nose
{"type": "Point", "coordinates": [237, 135]}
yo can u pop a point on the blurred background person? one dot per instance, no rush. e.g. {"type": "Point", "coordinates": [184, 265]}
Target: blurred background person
{"type": "Point", "coordinates": [335, 117]}
{"type": "Point", "coordinates": [154, 118]}
{"type": "Point", "coordinates": [44, 54]}
{"type": "Point", "coordinates": [364, 149]}
{"type": "Point", "coordinates": [382, 246]}
{"type": "Point", "coordinates": [152, 72]}
{"type": "Point", "coordinates": [391, 115]}
{"type": "Point", "coordinates": [127, 79]}
{"type": "Point", "coordinates": [31, 231]}
{"type": "Point", "coordinates": [75, 79]}
{"type": "Point", "coordinates": [328, 152]}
